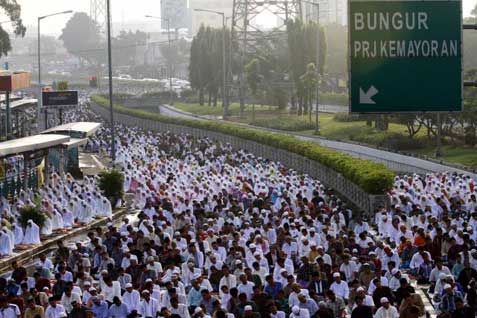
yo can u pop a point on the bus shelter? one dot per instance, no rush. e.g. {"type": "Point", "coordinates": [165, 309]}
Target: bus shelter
{"type": "Point", "coordinates": [66, 158]}
{"type": "Point", "coordinates": [24, 161]}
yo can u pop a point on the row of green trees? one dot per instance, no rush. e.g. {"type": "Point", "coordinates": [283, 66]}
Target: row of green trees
{"type": "Point", "coordinates": [278, 70]}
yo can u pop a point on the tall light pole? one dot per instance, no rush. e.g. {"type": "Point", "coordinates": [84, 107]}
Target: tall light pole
{"type": "Point", "coordinates": [110, 78]}
{"type": "Point", "coordinates": [168, 21]}
{"type": "Point", "coordinates": [224, 60]}
{"type": "Point", "coordinates": [40, 100]}
{"type": "Point", "coordinates": [317, 113]}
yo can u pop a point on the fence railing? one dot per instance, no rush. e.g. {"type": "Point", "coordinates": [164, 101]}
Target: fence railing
{"type": "Point", "coordinates": [353, 193]}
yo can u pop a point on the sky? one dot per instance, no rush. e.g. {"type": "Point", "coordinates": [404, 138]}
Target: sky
{"type": "Point", "coordinates": [122, 11]}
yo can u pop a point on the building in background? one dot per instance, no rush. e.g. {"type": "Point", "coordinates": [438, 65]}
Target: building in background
{"type": "Point", "coordinates": [176, 12]}
{"type": "Point", "coordinates": [209, 19]}
{"type": "Point", "coordinates": [331, 11]}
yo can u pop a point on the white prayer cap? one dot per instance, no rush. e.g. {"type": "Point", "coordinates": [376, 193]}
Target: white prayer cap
{"type": "Point", "coordinates": [253, 246]}
{"type": "Point", "coordinates": [296, 309]}
{"type": "Point", "coordinates": [92, 289]}
{"type": "Point", "coordinates": [196, 276]}
{"type": "Point", "coordinates": [87, 283]}
{"type": "Point", "coordinates": [394, 271]}
{"type": "Point", "coordinates": [238, 262]}
{"type": "Point", "coordinates": [248, 308]}
{"type": "Point", "coordinates": [145, 291]}
{"type": "Point", "coordinates": [360, 289]}
{"type": "Point", "coordinates": [384, 300]}
{"type": "Point", "coordinates": [257, 253]}
{"type": "Point", "coordinates": [446, 286]}
{"type": "Point", "coordinates": [128, 285]}
{"type": "Point", "coordinates": [335, 275]}
{"type": "Point", "coordinates": [149, 280]}
{"type": "Point", "coordinates": [199, 309]}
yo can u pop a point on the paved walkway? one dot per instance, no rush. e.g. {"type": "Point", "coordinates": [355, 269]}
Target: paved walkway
{"type": "Point", "coordinates": [394, 161]}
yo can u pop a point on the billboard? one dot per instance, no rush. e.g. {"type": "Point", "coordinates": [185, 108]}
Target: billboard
{"type": "Point", "coordinates": [58, 99]}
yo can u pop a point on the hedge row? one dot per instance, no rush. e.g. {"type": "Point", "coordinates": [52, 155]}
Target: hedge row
{"type": "Point", "coordinates": [372, 177]}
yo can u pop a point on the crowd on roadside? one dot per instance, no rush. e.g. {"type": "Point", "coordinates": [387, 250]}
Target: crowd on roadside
{"type": "Point", "coordinates": [223, 233]}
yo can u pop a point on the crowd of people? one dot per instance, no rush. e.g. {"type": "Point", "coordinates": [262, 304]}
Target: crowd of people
{"type": "Point", "coordinates": [221, 233]}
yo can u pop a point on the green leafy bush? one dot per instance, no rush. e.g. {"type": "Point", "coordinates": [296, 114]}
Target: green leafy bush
{"type": "Point", "coordinates": [285, 123]}
{"type": "Point", "coordinates": [111, 183]}
{"type": "Point", "coordinates": [372, 177]}
{"type": "Point", "coordinates": [32, 213]}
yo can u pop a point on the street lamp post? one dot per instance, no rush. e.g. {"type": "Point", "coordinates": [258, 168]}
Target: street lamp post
{"type": "Point", "coordinates": [224, 59]}
{"type": "Point", "coordinates": [110, 78]}
{"type": "Point", "coordinates": [40, 100]}
{"type": "Point", "coordinates": [317, 115]}
{"type": "Point", "coordinates": [168, 21]}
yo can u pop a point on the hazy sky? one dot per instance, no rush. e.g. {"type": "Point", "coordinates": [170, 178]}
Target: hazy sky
{"type": "Point", "coordinates": [123, 11]}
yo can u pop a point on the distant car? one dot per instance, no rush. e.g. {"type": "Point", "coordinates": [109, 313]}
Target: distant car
{"type": "Point", "coordinates": [125, 77]}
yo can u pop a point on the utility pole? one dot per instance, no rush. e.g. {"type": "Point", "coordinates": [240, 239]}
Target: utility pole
{"type": "Point", "coordinates": [40, 99]}
{"type": "Point", "coordinates": [318, 39]}
{"type": "Point", "coordinates": [318, 75]}
{"type": "Point", "coordinates": [169, 41]}
{"type": "Point", "coordinates": [110, 70]}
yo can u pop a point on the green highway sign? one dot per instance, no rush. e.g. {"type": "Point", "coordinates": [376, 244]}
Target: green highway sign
{"type": "Point", "coordinates": [405, 56]}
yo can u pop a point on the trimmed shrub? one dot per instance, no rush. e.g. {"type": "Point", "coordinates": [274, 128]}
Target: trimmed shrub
{"type": "Point", "coordinates": [372, 177]}
{"type": "Point", "coordinates": [32, 213]}
{"type": "Point", "coordinates": [111, 184]}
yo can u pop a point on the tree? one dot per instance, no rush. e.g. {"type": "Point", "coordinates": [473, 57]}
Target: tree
{"type": "Point", "coordinates": [81, 37]}
{"type": "Point", "coordinates": [125, 46]}
{"type": "Point", "coordinates": [302, 45]}
{"type": "Point", "coordinates": [205, 66]}
{"type": "Point", "coordinates": [13, 11]}
{"type": "Point", "coordinates": [309, 80]}
{"type": "Point", "coordinates": [252, 71]}
{"type": "Point", "coordinates": [49, 45]}
{"type": "Point", "coordinates": [413, 126]}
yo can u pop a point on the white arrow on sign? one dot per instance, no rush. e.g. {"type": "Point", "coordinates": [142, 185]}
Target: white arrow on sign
{"type": "Point", "coordinates": [367, 98]}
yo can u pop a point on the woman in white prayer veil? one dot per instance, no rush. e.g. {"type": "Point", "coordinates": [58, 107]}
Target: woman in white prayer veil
{"type": "Point", "coordinates": [57, 220]}
{"type": "Point", "coordinates": [11, 235]}
{"type": "Point", "coordinates": [68, 219]}
{"type": "Point", "coordinates": [18, 233]}
{"type": "Point", "coordinates": [6, 244]}
{"type": "Point", "coordinates": [47, 228]}
{"type": "Point", "coordinates": [32, 234]}
{"type": "Point", "coordinates": [105, 208]}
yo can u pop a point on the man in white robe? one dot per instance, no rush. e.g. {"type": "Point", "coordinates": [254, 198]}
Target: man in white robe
{"type": "Point", "coordinates": [32, 234]}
